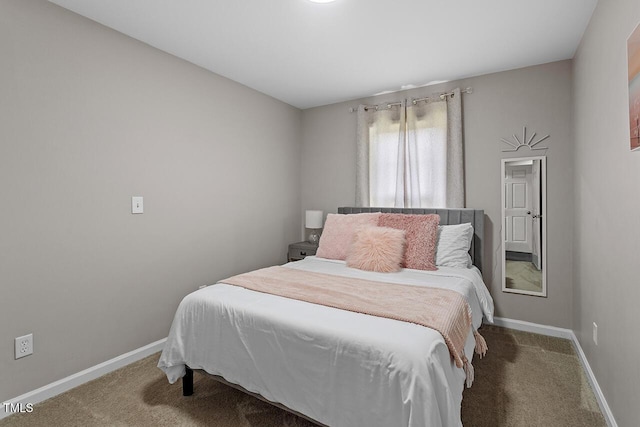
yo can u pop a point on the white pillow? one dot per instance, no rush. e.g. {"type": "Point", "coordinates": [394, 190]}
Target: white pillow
{"type": "Point", "coordinates": [454, 242]}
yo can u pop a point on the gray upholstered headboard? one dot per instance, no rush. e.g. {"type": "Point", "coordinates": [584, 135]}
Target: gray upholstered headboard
{"type": "Point", "coordinates": [447, 217]}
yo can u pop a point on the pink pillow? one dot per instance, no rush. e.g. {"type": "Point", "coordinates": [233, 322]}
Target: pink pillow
{"type": "Point", "coordinates": [422, 238]}
{"type": "Point", "coordinates": [338, 233]}
{"type": "Point", "coordinates": [378, 249]}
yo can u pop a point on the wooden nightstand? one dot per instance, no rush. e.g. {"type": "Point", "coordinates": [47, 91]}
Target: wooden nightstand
{"type": "Point", "coordinates": [298, 251]}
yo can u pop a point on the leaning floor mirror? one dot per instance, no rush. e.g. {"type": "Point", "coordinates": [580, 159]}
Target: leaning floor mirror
{"type": "Point", "coordinates": [524, 240]}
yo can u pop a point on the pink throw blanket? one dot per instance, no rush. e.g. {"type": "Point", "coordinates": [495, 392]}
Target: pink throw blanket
{"type": "Point", "coordinates": [444, 310]}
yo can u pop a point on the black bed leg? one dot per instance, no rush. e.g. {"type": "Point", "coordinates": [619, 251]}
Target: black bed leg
{"type": "Point", "coordinates": [187, 382]}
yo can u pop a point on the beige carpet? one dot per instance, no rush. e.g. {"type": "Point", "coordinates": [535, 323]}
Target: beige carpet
{"type": "Point", "coordinates": [525, 380]}
{"type": "Point", "coordinates": [529, 380]}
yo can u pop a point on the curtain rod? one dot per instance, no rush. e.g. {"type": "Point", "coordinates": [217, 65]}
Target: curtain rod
{"type": "Point", "coordinates": [414, 101]}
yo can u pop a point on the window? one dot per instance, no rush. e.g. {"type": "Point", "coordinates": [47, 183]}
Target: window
{"type": "Point", "coordinates": [407, 156]}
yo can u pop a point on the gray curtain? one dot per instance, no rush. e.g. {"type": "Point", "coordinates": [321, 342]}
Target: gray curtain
{"type": "Point", "coordinates": [362, 157]}
{"type": "Point", "coordinates": [380, 155]}
{"type": "Point", "coordinates": [411, 155]}
{"type": "Point", "coordinates": [455, 151]}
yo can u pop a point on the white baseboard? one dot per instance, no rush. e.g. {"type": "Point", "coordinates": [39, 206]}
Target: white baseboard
{"type": "Point", "coordinates": [604, 406]}
{"type": "Point", "coordinates": [553, 331]}
{"type": "Point", "coordinates": [520, 325]}
{"type": "Point", "coordinates": [55, 388]}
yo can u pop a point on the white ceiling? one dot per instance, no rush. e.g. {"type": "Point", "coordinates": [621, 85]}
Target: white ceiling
{"type": "Point", "coordinates": [309, 54]}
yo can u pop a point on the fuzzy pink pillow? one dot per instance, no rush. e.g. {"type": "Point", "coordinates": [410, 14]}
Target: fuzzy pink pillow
{"type": "Point", "coordinates": [421, 235]}
{"type": "Point", "coordinates": [378, 249]}
{"type": "Point", "coordinates": [338, 233]}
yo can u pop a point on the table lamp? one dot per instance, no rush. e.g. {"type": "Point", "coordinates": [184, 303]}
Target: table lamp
{"type": "Point", "coordinates": [313, 221]}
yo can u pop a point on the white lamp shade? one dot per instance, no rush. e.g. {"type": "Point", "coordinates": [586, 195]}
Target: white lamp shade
{"type": "Point", "coordinates": [313, 219]}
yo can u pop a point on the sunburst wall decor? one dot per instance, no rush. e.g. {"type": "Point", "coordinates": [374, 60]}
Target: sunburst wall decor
{"type": "Point", "coordinates": [517, 143]}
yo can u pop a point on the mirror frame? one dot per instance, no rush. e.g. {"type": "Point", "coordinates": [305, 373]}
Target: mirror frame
{"type": "Point", "coordinates": [543, 213]}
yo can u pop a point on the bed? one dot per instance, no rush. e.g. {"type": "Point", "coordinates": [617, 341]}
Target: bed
{"type": "Point", "coordinates": [333, 366]}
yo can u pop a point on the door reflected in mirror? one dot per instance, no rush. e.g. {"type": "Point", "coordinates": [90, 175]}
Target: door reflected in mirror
{"type": "Point", "coordinates": [524, 226]}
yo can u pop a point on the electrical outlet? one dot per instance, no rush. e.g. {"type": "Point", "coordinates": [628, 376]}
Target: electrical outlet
{"type": "Point", "coordinates": [595, 333]}
{"type": "Point", "coordinates": [24, 346]}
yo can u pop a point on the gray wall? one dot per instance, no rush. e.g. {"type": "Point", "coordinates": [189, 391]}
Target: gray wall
{"type": "Point", "coordinates": [607, 202]}
{"type": "Point", "coordinates": [501, 103]}
{"type": "Point", "coordinates": [89, 118]}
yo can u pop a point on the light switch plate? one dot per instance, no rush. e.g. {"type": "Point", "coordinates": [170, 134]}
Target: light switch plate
{"type": "Point", "coordinates": [137, 206]}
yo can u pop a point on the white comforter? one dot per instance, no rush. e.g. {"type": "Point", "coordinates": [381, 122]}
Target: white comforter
{"type": "Point", "coordinates": [337, 367]}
